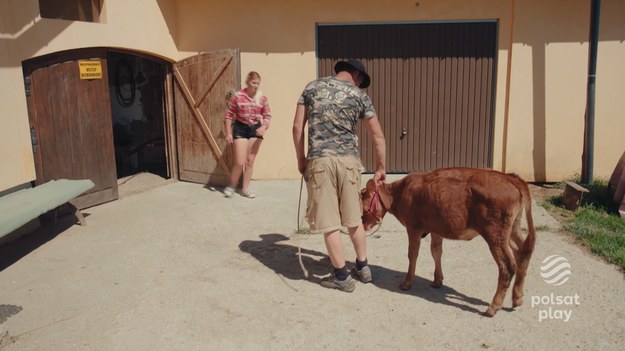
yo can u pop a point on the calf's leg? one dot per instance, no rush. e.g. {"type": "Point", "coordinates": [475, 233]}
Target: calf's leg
{"type": "Point", "coordinates": [522, 254]}
{"type": "Point", "coordinates": [414, 242]}
{"type": "Point", "coordinates": [436, 247]}
{"type": "Point", "coordinates": [519, 282]}
{"type": "Point", "coordinates": [507, 267]}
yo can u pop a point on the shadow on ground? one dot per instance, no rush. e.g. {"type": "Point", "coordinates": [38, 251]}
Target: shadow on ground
{"type": "Point", "coordinates": [7, 311]}
{"type": "Point", "coordinates": [13, 251]}
{"type": "Point", "coordinates": [282, 259]}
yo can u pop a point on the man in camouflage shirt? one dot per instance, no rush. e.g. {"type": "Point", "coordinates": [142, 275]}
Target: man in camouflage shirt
{"type": "Point", "coordinates": [332, 106]}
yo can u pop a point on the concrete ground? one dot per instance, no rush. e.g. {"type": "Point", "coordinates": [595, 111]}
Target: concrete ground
{"type": "Point", "coordinates": [180, 267]}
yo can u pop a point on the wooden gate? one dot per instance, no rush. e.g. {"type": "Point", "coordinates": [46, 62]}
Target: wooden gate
{"type": "Point", "coordinates": [202, 84]}
{"type": "Point", "coordinates": [70, 122]}
{"type": "Point", "coordinates": [432, 85]}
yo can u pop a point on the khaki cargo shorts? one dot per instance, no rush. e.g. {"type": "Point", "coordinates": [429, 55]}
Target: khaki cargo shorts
{"type": "Point", "coordinates": [333, 185]}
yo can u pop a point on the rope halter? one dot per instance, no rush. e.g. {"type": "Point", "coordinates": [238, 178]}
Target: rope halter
{"type": "Point", "coordinates": [374, 206]}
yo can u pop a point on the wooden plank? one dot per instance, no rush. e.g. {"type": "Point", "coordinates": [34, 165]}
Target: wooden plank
{"type": "Point", "coordinates": [576, 186]}
{"type": "Point", "coordinates": [36, 112]}
{"type": "Point", "coordinates": [572, 197]}
{"type": "Point", "coordinates": [211, 84]}
{"type": "Point", "coordinates": [170, 129]}
{"type": "Point", "coordinates": [200, 120]}
{"type": "Point", "coordinates": [20, 207]}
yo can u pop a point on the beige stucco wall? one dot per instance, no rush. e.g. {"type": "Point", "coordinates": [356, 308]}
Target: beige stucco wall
{"type": "Point", "coordinates": [278, 40]}
{"type": "Point", "coordinates": [610, 110]}
{"type": "Point", "coordinates": [548, 89]}
{"type": "Point", "coordinates": [138, 24]}
{"type": "Point", "coordinates": [539, 112]}
{"type": "Point", "coordinates": [540, 96]}
{"type": "Point", "coordinates": [16, 161]}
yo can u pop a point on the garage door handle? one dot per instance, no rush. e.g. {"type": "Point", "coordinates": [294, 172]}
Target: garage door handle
{"type": "Point", "coordinates": [403, 133]}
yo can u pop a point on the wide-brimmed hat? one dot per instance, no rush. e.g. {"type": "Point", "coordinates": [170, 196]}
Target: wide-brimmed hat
{"type": "Point", "coordinates": [357, 65]}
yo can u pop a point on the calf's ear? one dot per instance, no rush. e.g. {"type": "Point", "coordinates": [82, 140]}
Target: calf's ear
{"type": "Point", "coordinates": [385, 196]}
{"type": "Point", "coordinates": [370, 185]}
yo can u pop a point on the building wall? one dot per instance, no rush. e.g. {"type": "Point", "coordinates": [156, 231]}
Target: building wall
{"type": "Point", "coordinates": [138, 24]}
{"type": "Point", "coordinates": [541, 72]}
{"type": "Point", "coordinates": [277, 39]}
{"type": "Point", "coordinates": [610, 103]}
{"type": "Point", "coordinates": [16, 160]}
{"type": "Point", "coordinates": [548, 89]}
{"type": "Point", "coordinates": [540, 97]}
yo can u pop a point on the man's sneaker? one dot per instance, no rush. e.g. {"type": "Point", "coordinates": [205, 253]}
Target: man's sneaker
{"type": "Point", "coordinates": [364, 274]}
{"type": "Point", "coordinates": [228, 191]}
{"type": "Point", "coordinates": [346, 285]}
{"type": "Point", "coordinates": [248, 194]}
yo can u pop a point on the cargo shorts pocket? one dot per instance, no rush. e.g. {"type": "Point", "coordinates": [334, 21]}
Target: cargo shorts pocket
{"type": "Point", "coordinates": [317, 176]}
{"type": "Point", "coordinates": [352, 172]}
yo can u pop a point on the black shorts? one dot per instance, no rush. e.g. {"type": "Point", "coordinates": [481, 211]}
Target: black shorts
{"type": "Point", "coordinates": [245, 131]}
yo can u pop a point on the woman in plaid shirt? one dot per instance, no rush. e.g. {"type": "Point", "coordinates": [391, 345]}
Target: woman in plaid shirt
{"type": "Point", "coordinates": [246, 120]}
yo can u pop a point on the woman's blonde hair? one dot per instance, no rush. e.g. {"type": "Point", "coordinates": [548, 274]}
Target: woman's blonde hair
{"type": "Point", "coordinates": [259, 94]}
{"type": "Point", "coordinates": [252, 75]}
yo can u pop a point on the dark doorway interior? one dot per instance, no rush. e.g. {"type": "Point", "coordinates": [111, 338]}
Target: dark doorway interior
{"type": "Point", "coordinates": [137, 109]}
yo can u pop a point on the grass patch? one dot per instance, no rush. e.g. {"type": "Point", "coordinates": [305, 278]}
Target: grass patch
{"type": "Point", "coordinates": [596, 224]}
{"type": "Point", "coordinates": [302, 230]}
{"type": "Point", "coordinates": [602, 233]}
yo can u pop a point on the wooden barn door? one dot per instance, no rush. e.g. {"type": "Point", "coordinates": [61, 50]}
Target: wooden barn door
{"type": "Point", "coordinates": [432, 84]}
{"type": "Point", "coordinates": [201, 85]}
{"type": "Point", "coordinates": [70, 121]}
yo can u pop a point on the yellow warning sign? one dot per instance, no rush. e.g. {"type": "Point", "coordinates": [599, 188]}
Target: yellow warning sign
{"type": "Point", "coordinates": [90, 69]}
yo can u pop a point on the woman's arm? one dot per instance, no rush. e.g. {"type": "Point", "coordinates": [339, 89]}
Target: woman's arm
{"type": "Point", "coordinates": [229, 116]}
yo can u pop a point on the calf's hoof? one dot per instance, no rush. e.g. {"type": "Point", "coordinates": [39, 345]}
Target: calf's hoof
{"type": "Point", "coordinates": [490, 312]}
{"type": "Point", "coordinates": [405, 286]}
{"type": "Point", "coordinates": [436, 284]}
{"type": "Point", "coordinates": [516, 302]}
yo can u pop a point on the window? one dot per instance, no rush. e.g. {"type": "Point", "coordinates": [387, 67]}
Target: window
{"type": "Point", "coordinates": [73, 10]}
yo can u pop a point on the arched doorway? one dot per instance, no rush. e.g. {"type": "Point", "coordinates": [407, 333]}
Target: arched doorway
{"type": "Point", "coordinates": [107, 114]}
{"type": "Point", "coordinates": [136, 90]}
{"type": "Point", "coordinates": [99, 114]}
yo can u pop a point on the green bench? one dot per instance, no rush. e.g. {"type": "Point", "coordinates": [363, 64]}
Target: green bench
{"type": "Point", "coordinates": [21, 207]}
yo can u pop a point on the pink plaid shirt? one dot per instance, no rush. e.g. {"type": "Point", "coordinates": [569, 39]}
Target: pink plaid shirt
{"type": "Point", "coordinates": [244, 109]}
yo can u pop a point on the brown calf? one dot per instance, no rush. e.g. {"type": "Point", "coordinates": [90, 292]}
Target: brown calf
{"type": "Point", "coordinates": [460, 203]}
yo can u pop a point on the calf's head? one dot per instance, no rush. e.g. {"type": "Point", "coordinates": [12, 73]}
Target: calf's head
{"type": "Point", "coordinates": [375, 200]}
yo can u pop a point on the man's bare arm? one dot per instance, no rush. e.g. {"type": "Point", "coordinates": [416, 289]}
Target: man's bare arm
{"type": "Point", "coordinates": [374, 129]}
{"type": "Point", "coordinates": [298, 136]}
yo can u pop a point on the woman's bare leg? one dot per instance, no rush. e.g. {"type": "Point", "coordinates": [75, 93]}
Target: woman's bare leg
{"type": "Point", "coordinates": [239, 151]}
{"type": "Point", "coordinates": [252, 150]}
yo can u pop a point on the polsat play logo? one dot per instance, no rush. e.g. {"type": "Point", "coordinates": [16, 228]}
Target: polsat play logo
{"type": "Point", "coordinates": [555, 270]}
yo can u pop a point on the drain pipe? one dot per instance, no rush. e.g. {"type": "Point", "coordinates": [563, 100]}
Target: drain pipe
{"type": "Point", "coordinates": [589, 128]}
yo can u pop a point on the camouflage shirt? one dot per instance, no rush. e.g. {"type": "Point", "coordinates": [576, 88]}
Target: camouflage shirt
{"type": "Point", "coordinates": [333, 107]}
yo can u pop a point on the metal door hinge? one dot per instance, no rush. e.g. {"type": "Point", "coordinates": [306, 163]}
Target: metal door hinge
{"type": "Point", "coordinates": [33, 139]}
{"type": "Point", "coordinates": [27, 85]}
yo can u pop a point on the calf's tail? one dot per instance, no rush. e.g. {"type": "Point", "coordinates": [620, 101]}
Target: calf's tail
{"type": "Point", "coordinates": [530, 241]}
